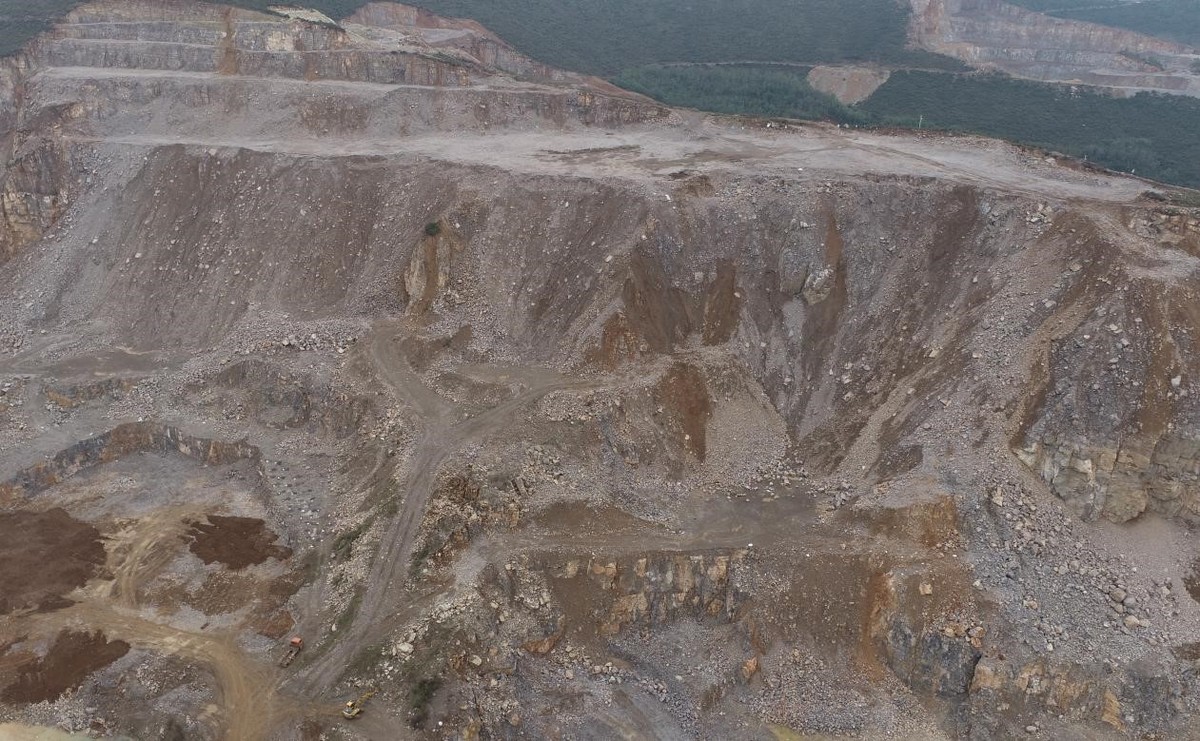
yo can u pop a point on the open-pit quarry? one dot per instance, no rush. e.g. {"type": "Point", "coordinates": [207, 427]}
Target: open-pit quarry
{"type": "Point", "coordinates": [541, 411]}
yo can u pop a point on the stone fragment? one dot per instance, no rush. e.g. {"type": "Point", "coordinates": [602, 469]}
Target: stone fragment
{"type": "Point", "coordinates": [750, 668]}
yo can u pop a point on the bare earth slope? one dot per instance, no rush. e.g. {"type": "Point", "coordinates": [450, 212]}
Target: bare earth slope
{"type": "Point", "coordinates": [547, 412]}
{"type": "Point", "coordinates": [993, 34]}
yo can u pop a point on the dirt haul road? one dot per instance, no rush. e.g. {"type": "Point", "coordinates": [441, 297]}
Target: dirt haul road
{"type": "Point", "coordinates": [389, 570]}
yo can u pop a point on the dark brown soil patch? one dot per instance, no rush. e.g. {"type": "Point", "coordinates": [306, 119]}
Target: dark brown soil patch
{"type": "Point", "coordinates": [930, 523]}
{"type": "Point", "coordinates": [655, 310]}
{"type": "Point", "coordinates": [618, 343]}
{"type": "Point", "coordinates": [896, 461]}
{"type": "Point", "coordinates": [43, 556]}
{"type": "Point", "coordinates": [236, 542]}
{"type": "Point", "coordinates": [685, 394]}
{"type": "Point", "coordinates": [722, 307]}
{"type": "Point", "coordinates": [71, 658]}
{"type": "Point", "coordinates": [580, 518]}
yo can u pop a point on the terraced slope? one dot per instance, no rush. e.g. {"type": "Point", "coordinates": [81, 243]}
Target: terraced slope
{"type": "Point", "coordinates": [547, 411]}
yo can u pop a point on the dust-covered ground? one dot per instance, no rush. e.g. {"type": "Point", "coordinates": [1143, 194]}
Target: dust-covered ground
{"type": "Point", "coordinates": [540, 411]}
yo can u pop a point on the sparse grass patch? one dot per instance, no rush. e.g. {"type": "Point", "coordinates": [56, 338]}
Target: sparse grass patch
{"type": "Point", "coordinates": [345, 542]}
{"type": "Point", "coordinates": [1185, 198]}
{"type": "Point", "coordinates": [419, 698]}
{"type": "Point", "coordinates": [348, 614]}
{"type": "Point", "coordinates": [365, 661]}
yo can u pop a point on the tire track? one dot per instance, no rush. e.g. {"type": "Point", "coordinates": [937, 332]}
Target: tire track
{"type": "Point", "coordinates": [389, 570]}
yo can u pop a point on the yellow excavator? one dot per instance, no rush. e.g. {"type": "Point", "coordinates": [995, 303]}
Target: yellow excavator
{"type": "Point", "coordinates": [354, 708]}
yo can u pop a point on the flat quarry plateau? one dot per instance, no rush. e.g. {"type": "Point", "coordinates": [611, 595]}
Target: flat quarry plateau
{"type": "Point", "coordinates": [539, 410]}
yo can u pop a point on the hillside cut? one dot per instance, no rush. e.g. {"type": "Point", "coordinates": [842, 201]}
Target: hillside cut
{"type": "Point", "coordinates": [540, 410]}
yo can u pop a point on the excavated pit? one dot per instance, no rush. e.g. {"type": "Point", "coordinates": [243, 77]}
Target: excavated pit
{"type": "Point", "coordinates": [598, 419]}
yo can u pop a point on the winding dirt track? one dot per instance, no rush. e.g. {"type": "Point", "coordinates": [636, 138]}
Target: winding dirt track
{"type": "Point", "coordinates": [246, 686]}
{"type": "Point", "coordinates": [148, 545]}
{"type": "Point", "coordinates": [443, 437]}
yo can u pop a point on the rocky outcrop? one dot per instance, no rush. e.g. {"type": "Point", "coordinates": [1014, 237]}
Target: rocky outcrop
{"type": "Point", "coordinates": [33, 188]}
{"type": "Point", "coordinates": [661, 587]}
{"type": "Point", "coordinates": [196, 54]}
{"type": "Point", "coordinates": [1086, 696]}
{"type": "Point", "coordinates": [253, 390]}
{"type": "Point", "coordinates": [419, 27]}
{"type": "Point", "coordinates": [209, 39]}
{"type": "Point", "coordinates": [121, 441]}
{"type": "Point", "coordinates": [1120, 482]}
{"type": "Point", "coordinates": [1112, 431]}
{"type": "Point", "coordinates": [992, 34]}
{"type": "Point", "coordinates": [430, 269]}
{"type": "Point", "coordinates": [69, 397]}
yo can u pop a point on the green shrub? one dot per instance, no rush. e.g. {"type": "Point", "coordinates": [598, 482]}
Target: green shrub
{"type": "Point", "coordinates": [432, 229]}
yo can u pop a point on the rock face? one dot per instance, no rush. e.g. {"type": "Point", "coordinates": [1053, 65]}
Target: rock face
{"type": "Point", "coordinates": [124, 440]}
{"type": "Point", "coordinates": [995, 34]}
{"type": "Point", "coordinates": [227, 54]}
{"type": "Point", "coordinates": [662, 588]}
{"type": "Point", "coordinates": [1113, 432]}
{"type": "Point", "coordinates": [1121, 483]}
{"type": "Point", "coordinates": [593, 417]}
{"type": "Point", "coordinates": [34, 191]}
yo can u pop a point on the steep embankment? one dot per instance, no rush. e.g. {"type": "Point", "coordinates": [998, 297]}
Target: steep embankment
{"type": "Point", "coordinates": [995, 34]}
{"type": "Point", "coordinates": [573, 414]}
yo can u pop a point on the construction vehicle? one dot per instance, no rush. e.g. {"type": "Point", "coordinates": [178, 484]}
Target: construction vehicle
{"type": "Point", "coordinates": [294, 647]}
{"type": "Point", "coordinates": [354, 708]}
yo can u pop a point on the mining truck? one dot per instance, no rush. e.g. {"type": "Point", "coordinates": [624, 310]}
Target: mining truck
{"type": "Point", "coordinates": [294, 647]}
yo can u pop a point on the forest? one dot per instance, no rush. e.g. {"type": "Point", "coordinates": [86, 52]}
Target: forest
{"type": "Point", "coordinates": [608, 37]}
{"type": "Point", "coordinates": [760, 90]}
{"type": "Point", "coordinates": [1150, 134]}
{"type": "Point", "coordinates": [1176, 20]}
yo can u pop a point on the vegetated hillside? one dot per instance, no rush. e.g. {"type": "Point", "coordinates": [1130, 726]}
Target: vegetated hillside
{"type": "Point", "coordinates": [21, 20]}
{"type": "Point", "coordinates": [1050, 6]}
{"type": "Point", "coordinates": [608, 37]}
{"type": "Point", "coordinates": [1177, 20]}
{"type": "Point", "coordinates": [611, 36]}
{"type": "Point", "coordinates": [738, 89]}
{"type": "Point", "coordinates": [1151, 134]}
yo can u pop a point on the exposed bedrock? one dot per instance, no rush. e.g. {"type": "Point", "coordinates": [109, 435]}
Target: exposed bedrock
{"type": "Point", "coordinates": [121, 441]}
{"type": "Point", "coordinates": [996, 34]}
{"type": "Point", "coordinates": [776, 424]}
